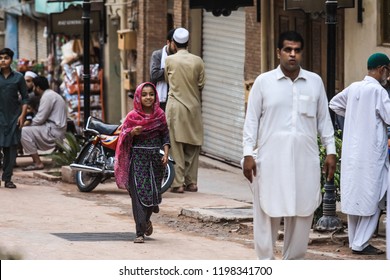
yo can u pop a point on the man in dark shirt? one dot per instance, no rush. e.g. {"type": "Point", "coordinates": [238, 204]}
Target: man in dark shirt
{"type": "Point", "coordinates": [12, 115]}
{"type": "Point", "coordinates": [157, 65]}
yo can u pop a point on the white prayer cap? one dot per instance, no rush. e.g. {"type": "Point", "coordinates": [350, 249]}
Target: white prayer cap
{"type": "Point", "coordinates": [30, 74]}
{"type": "Point", "coordinates": [181, 35]}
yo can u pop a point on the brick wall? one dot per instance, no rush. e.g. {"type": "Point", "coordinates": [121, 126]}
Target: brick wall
{"type": "Point", "coordinates": [181, 13]}
{"type": "Point", "coordinates": [151, 33]}
{"type": "Point", "coordinates": [252, 44]}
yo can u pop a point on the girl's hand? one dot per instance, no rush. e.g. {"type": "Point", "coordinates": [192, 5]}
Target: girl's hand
{"type": "Point", "coordinates": [164, 160]}
{"type": "Point", "coordinates": [136, 130]}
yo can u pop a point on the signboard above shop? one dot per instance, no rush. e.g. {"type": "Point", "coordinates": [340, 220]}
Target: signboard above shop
{"type": "Point", "coordinates": [70, 22]}
{"type": "Point", "coordinates": [309, 6]}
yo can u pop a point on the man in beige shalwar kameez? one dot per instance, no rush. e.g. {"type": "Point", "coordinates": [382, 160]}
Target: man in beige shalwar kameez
{"type": "Point", "coordinates": [185, 75]}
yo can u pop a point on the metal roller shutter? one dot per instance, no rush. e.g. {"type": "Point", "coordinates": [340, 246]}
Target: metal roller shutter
{"type": "Point", "coordinates": [223, 97]}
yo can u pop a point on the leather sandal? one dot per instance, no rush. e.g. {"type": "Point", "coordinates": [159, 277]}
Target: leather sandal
{"type": "Point", "coordinates": [139, 239]}
{"type": "Point", "coordinates": [178, 189]}
{"type": "Point", "coordinates": [191, 188]}
{"type": "Point", "coordinates": [10, 185]}
{"type": "Point", "coordinates": [369, 250]}
{"type": "Point", "coordinates": [149, 228]}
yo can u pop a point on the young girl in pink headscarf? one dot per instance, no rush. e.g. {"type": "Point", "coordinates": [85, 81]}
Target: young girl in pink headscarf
{"type": "Point", "coordinates": [139, 167]}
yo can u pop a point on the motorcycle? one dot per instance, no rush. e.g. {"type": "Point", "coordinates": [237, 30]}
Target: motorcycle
{"type": "Point", "coordinates": [95, 162]}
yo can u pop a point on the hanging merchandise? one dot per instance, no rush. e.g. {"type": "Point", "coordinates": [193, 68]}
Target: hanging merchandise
{"type": "Point", "coordinates": [73, 90]}
{"type": "Point", "coordinates": [68, 55]}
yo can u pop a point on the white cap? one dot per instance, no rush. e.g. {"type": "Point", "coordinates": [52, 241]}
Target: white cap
{"type": "Point", "coordinates": [30, 74]}
{"type": "Point", "coordinates": [181, 35]}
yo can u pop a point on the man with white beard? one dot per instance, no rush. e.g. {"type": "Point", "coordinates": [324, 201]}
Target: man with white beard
{"type": "Point", "coordinates": [364, 161]}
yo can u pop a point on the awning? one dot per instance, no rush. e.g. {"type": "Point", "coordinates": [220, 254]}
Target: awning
{"type": "Point", "coordinates": [42, 6]}
{"type": "Point", "coordinates": [15, 8]}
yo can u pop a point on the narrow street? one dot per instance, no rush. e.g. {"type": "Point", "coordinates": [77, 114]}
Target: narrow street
{"type": "Point", "coordinates": [45, 220]}
{"type": "Point", "coordinates": [52, 220]}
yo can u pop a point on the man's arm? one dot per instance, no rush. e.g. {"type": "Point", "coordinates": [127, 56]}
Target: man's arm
{"type": "Point", "coordinates": [23, 93]}
{"type": "Point", "coordinates": [44, 110]}
{"type": "Point", "coordinates": [250, 131]}
{"type": "Point", "coordinates": [338, 103]}
{"type": "Point", "coordinates": [156, 73]}
{"type": "Point", "coordinates": [326, 132]}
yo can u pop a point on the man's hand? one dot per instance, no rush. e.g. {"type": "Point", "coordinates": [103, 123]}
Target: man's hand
{"type": "Point", "coordinates": [249, 168]}
{"type": "Point", "coordinates": [21, 122]}
{"type": "Point", "coordinates": [329, 167]}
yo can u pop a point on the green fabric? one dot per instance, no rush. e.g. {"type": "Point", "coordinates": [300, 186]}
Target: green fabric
{"type": "Point", "coordinates": [377, 59]}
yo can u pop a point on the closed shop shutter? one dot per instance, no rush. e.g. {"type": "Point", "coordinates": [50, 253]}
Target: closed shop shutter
{"type": "Point", "coordinates": [223, 97]}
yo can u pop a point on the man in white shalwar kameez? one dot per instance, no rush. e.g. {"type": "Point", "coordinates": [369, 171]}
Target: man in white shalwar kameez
{"type": "Point", "coordinates": [388, 224]}
{"type": "Point", "coordinates": [287, 109]}
{"type": "Point", "coordinates": [364, 161]}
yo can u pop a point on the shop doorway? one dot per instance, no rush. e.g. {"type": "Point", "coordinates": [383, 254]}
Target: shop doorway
{"type": "Point", "coordinates": [314, 32]}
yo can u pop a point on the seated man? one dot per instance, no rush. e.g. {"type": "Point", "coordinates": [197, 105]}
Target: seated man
{"type": "Point", "coordinates": [47, 126]}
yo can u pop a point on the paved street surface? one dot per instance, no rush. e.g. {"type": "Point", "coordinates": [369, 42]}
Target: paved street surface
{"type": "Point", "coordinates": [52, 220]}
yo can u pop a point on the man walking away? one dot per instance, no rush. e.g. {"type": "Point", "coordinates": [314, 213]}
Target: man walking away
{"type": "Point", "coordinates": [186, 78]}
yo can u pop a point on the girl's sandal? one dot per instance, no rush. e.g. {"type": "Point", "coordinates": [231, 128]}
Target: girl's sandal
{"type": "Point", "coordinates": [149, 228]}
{"type": "Point", "coordinates": [139, 239]}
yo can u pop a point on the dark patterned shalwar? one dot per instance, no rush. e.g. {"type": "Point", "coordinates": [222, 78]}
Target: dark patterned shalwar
{"type": "Point", "coordinates": [146, 174]}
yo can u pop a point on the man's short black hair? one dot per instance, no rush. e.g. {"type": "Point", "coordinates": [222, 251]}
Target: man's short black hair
{"type": "Point", "coordinates": [8, 52]}
{"type": "Point", "coordinates": [41, 82]}
{"type": "Point", "coordinates": [290, 36]}
{"type": "Point", "coordinates": [170, 34]}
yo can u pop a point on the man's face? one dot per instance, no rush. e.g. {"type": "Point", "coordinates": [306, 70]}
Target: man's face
{"type": "Point", "coordinates": [385, 75]}
{"type": "Point", "coordinates": [290, 57]}
{"type": "Point", "coordinates": [37, 90]}
{"type": "Point", "coordinates": [5, 61]}
{"type": "Point", "coordinates": [171, 47]}
{"type": "Point", "coordinates": [29, 83]}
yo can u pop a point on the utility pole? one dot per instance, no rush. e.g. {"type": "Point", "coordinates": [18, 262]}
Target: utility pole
{"type": "Point", "coordinates": [329, 220]}
{"type": "Point", "coordinates": [86, 75]}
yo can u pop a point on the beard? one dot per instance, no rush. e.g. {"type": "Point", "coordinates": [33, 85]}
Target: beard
{"type": "Point", "coordinates": [384, 80]}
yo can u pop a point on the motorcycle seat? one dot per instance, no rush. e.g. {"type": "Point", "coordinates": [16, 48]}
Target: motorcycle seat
{"type": "Point", "coordinates": [103, 128]}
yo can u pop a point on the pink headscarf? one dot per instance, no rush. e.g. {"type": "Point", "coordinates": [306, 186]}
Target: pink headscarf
{"type": "Point", "coordinates": [152, 125]}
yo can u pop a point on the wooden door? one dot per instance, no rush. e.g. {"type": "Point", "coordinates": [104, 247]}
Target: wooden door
{"type": "Point", "coordinates": [314, 32]}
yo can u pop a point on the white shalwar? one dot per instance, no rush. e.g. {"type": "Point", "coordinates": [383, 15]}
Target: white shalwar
{"type": "Point", "coordinates": [283, 120]}
{"type": "Point", "coordinates": [365, 161]}
{"type": "Point", "coordinates": [388, 224]}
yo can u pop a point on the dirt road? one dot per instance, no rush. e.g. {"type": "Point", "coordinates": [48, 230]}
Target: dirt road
{"type": "Point", "coordinates": [45, 220]}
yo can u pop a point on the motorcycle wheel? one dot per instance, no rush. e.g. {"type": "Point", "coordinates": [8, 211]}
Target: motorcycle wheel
{"type": "Point", "coordinates": [169, 175]}
{"type": "Point", "coordinates": [87, 181]}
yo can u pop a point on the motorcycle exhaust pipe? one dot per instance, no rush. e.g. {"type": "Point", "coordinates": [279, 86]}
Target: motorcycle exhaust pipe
{"type": "Point", "coordinates": [80, 167]}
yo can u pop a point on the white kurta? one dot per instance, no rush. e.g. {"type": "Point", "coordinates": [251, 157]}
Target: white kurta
{"type": "Point", "coordinates": [283, 120]}
{"type": "Point", "coordinates": [364, 160]}
{"type": "Point", "coordinates": [388, 224]}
